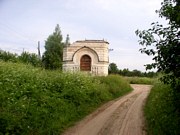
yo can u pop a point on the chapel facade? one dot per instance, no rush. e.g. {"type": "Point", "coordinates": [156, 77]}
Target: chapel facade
{"type": "Point", "coordinates": [88, 56]}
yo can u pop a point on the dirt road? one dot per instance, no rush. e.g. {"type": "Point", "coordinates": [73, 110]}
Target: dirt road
{"type": "Point", "coordinates": [123, 116]}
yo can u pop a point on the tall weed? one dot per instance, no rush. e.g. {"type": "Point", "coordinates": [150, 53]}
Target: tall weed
{"type": "Point", "coordinates": [115, 84]}
{"type": "Point", "coordinates": [160, 111]}
{"type": "Point", "coordinates": [141, 80]}
{"type": "Point", "coordinates": [37, 101]}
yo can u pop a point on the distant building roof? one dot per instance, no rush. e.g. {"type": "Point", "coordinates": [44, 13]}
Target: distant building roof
{"type": "Point", "coordinates": [93, 41]}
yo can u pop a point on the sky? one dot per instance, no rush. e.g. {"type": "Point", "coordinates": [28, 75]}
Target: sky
{"type": "Point", "coordinates": [25, 22]}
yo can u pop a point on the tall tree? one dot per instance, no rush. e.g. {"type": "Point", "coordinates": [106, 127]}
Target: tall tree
{"type": "Point", "coordinates": [53, 55]}
{"type": "Point", "coordinates": [165, 42]}
{"type": "Point", "coordinates": [113, 69]}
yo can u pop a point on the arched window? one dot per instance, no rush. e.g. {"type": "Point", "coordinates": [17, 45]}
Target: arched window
{"type": "Point", "coordinates": [85, 63]}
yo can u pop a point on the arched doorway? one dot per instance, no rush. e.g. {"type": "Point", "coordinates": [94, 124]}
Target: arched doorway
{"type": "Point", "coordinates": [85, 63]}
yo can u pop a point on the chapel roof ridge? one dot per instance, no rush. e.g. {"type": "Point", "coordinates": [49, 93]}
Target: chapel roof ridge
{"type": "Point", "coordinates": [93, 41]}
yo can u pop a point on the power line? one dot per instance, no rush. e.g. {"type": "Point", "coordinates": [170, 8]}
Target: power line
{"type": "Point", "coordinates": [17, 33]}
{"type": "Point", "coordinates": [8, 30]}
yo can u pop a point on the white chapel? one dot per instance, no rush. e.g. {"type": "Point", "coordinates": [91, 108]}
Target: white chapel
{"type": "Point", "coordinates": [87, 56]}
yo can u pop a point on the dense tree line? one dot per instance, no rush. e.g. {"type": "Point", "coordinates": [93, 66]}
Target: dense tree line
{"type": "Point", "coordinates": [135, 72]}
{"type": "Point", "coordinates": [25, 57]}
{"type": "Point", "coordinates": [7, 56]}
{"type": "Point", "coordinates": [113, 69]}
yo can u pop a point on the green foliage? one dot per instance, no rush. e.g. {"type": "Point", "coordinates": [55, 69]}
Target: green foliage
{"type": "Point", "coordinates": [30, 58]}
{"type": "Point", "coordinates": [160, 111]}
{"type": "Point", "coordinates": [140, 80]}
{"type": "Point", "coordinates": [53, 55]}
{"type": "Point", "coordinates": [125, 72]}
{"type": "Point", "coordinates": [116, 84]}
{"type": "Point", "coordinates": [7, 56]}
{"type": "Point", "coordinates": [137, 73]}
{"type": "Point", "coordinates": [166, 55]}
{"type": "Point", "coordinates": [25, 57]}
{"type": "Point", "coordinates": [36, 101]}
{"type": "Point", "coordinates": [171, 11]}
{"type": "Point", "coordinates": [113, 69]}
{"type": "Point", "coordinates": [163, 43]}
{"type": "Point", "coordinates": [166, 43]}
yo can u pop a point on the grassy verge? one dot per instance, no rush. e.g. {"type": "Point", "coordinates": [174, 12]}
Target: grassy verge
{"type": "Point", "coordinates": [140, 80]}
{"type": "Point", "coordinates": [35, 101]}
{"type": "Point", "coordinates": [161, 115]}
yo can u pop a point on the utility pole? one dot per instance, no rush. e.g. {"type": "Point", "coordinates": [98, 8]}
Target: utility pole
{"type": "Point", "coordinates": [39, 53]}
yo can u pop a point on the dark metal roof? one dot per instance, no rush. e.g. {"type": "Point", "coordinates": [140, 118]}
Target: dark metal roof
{"type": "Point", "coordinates": [92, 41]}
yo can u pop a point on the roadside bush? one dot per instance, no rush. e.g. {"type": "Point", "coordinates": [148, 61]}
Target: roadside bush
{"type": "Point", "coordinates": [161, 114]}
{"type": "Point", "coordinates": [37, 101]}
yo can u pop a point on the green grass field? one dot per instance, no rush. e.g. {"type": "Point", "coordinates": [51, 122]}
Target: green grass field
{"type": "Point", "coordinates": [37, 101]}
